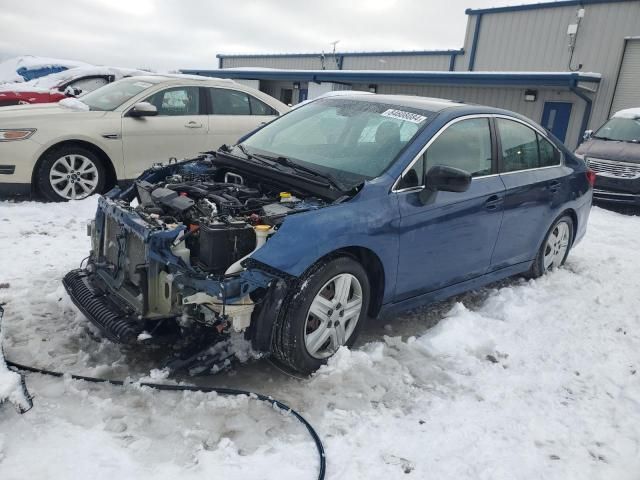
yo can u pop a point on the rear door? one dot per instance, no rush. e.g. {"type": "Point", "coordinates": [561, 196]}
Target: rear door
{"type": "Point", "coordinates": [530, 167]}
{"type": "Point", "coordinates": [178, 131]}
{"type": "Point", "coordinates": [232, 113]}
{"type": "Point", "coordinates": [450, 239]}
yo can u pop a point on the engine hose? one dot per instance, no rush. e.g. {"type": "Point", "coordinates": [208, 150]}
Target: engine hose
{"type": "Point", "coordinates": [192, 388]}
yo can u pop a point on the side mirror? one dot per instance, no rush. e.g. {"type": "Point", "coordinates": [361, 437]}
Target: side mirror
{"type": "Point", "coordinates": [587, 134]}
{"type": "Point", "coordinates": [72, 92]}
{"type": "Point", "coordinates": [444, 179]}
{"type": "Point", "coordinates": [143, 109]}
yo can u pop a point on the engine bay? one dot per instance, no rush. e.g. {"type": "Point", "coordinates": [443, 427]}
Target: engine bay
{"type": "Point", "coordinates": [225, 215]}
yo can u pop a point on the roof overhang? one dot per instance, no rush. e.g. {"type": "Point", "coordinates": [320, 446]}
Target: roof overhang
{"type": "Point", "coordinates": [386, 53]}
{"type": "Point", "coordinates": [538, 6]}
{"type": "Point", "coordinates": [541, 79]}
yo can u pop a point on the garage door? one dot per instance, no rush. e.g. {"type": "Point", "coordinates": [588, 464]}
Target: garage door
{"type": "Point", "coordinates": [627, 94]}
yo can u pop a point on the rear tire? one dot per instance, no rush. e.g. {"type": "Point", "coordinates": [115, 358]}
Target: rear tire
{"type": "Point", "coordinates": [327, 312]}
{"type": "Point", "coordinates": [70, 173]}
{"type": "Point", "coordinates": [554, 249]}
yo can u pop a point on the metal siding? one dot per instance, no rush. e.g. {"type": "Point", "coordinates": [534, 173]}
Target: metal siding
{"type": "Point", "coordinates": [627, 94]}
{"type": "Point", "coordinates": [536, 40]}
{"type": "Point", "coordinates": [397, 62]}
{"type": "Point", "coordinates": [291, 63]}
{"type": "Point", "coordinates": [504, 97]}
{"type": "Point", "coordinates": [524, 41]}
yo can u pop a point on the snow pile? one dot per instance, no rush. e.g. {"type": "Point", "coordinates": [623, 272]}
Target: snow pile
{"type": "Point", "coordinates": [10, 382]}
{"type": "Point", "coordinates": [526, 379]}
{"type": "Point", "coordinates": [10, 386]}
{"type": "Point", "coordinates": [632, 113]}
{"type": "Point", "coordinates": [9, 68]}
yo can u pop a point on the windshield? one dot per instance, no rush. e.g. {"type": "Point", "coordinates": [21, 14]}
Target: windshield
{"type": "Point", "coordinates": [622, 129]}
{"type": "Point", "coordinates": [115, 94]}
{"type": "Point", "coordinates": [351, 140]}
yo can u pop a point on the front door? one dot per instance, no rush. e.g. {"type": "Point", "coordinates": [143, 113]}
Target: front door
{"type": "Point", "coordinates": [451, 238]}
{"type": "Point", "coordinates": [178, 131]}
{"type": "Point", "coordinates": [555, 118]}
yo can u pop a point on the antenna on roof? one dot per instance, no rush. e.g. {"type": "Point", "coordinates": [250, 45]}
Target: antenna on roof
{"type": "Point", "coordinates": [335, 59]}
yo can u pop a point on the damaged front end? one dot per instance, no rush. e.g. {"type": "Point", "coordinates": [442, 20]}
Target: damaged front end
{"type": "Point", "coordinates": [171, 255]}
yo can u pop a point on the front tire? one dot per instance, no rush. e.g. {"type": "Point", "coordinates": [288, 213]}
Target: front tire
{"type": "Point", "coordinates": [70, 173]}
{"type": "Point", "coordinates": [326, 313]}
{"type": "Point", "coordinates": [555, 248]}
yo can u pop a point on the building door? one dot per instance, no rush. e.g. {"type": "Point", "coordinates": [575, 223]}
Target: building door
{"type": "Point", "coordinates": [286, 96]}
{"type": "Point", "coordinates": [304, 94]}
{"type": "Point", "coordinates": [627, 93]}
{"type": "Point", "coordinates": [555, 118]}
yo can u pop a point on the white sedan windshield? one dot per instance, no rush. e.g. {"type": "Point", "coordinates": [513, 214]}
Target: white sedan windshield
{"type": "Point", "coordinates": [115, 94]}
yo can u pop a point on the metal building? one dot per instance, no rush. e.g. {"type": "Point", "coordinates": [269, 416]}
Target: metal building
{"type": "Point", "coordinates": [567, 64]}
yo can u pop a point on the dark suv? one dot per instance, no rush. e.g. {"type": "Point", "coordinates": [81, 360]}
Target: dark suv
{"type": "Point", "coordinates": [613, 152]}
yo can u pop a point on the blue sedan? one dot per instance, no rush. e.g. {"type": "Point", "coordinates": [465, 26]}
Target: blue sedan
{"type": "Point", "coordinates": [344, 209]}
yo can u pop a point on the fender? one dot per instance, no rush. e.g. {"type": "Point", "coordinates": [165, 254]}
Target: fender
{"type": "Point", "coordinates": [369, 220]}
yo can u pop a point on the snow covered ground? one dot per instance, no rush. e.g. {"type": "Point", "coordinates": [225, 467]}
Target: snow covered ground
{"type": "Point", "coordinates": [523, 380]}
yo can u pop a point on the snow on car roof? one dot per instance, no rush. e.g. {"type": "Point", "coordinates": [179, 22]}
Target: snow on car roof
{"type": "Point", "coordinates": [51, 81]}
{"type": "Point", "coordinates": [9, 68]}
{"type": "Point", "coordinates": [628, 113]}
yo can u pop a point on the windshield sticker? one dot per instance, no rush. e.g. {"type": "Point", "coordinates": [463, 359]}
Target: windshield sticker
{"type": "Point", "coordinates": [402, 115]}
{"type": "Point", "coordinates": [143, 84]}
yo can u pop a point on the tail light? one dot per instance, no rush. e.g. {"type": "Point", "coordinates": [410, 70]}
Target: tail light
{"type": "Point", "coordinates": [591, 177]}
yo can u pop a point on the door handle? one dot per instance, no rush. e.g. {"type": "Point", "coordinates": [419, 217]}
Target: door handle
{"type": "Point", "coordinates": [193, 124]}
{"type": "Point", "coordinates": [554, 186]}
{"type": "Point", "coordinates": [493, 202]}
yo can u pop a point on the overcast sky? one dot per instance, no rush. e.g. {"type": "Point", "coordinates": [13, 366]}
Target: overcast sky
{"type": "Point", "coordinates": [172, 34]}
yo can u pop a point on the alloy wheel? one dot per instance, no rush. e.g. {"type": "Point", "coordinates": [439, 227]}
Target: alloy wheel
{"type": "Point", "coordinates": [556, 247]}
{"type": "Point", "coordinates": [74, 177]}
{"type": "Point", "coordinates": [333, 315]}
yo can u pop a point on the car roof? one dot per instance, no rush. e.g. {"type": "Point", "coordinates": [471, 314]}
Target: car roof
{"type": "Point", "coordinates": [633, 113]}
{"type": "Point", "coordinates": [182, 78]}
{"type": "Point", "coordinates": [423, 103]}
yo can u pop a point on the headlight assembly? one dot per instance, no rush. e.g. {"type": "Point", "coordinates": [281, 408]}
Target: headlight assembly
{"type": "Point", "coordinates": [9, 134]}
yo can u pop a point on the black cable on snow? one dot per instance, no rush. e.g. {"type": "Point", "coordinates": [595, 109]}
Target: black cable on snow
{"type": "Point", "coordinates": [192, 388]}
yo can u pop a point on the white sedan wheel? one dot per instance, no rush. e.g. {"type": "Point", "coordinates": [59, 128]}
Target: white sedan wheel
{"type": "Point", "coordinates": [74, 177]}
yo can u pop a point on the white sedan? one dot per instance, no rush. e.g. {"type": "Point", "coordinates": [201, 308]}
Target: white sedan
{"type": "Point", "coordinates": [77, 147]}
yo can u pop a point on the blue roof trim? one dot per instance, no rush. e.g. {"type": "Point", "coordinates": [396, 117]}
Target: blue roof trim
{"type": "Point", "coordinates": [392, 53]}
{"type": "Point", "coordinates": [536, 6]}
{"type": "Point", "coordinates": [550, 79]}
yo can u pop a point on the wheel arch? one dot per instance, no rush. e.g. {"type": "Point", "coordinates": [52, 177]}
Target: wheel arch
{"type": "Point", "coordinates": [112, 177]}
{"type": "Point", "coordinates": [574, 217]}
{"type": "Point", "coordinates": [375, 272]}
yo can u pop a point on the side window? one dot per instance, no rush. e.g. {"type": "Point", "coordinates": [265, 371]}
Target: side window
{"type": "Point", "coordinates": [229, 102]}
{"type": "Point", "coordinates": [465, 145]}
{"type": "Point", "coordinates": [260, 108]}
{"type": "Point", "coordinates": [177, 101]}
{"type": "Point", "coordinates": [89, 84]}
{"type": "Point", "coordinates": [519, 146]}
{"type": "Point", "coordinates": [549, 155]}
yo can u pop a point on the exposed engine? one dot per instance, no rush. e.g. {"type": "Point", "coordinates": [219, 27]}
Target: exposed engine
{"type": "Point", "coordinates": [226, 216]}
